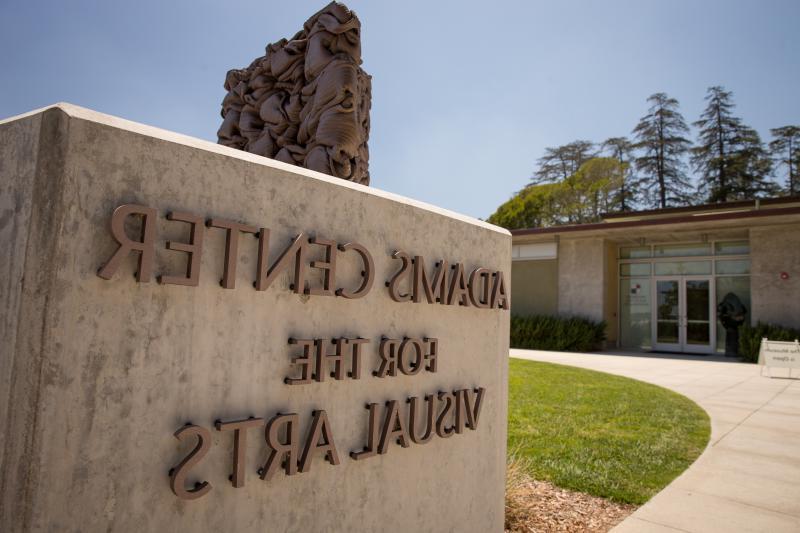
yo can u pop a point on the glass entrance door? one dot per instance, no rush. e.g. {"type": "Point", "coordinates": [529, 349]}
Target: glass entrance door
{"type": "Point", "coordinates": [697, 314]}
{"type": "Point", "coordinates": [668, 315]}
{"type": "Point", "coordinates": [684, 316]}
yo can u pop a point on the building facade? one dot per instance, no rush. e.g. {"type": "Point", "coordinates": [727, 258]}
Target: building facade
{"type": "Point", "coordinates": [669, 279]}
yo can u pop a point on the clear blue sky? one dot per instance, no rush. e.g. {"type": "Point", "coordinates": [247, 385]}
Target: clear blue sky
{"type": "Point", "coordinates": [466, 94]}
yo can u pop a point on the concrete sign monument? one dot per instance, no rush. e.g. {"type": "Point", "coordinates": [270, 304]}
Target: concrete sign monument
{"type": "Point", "coordinates": [197, 338]}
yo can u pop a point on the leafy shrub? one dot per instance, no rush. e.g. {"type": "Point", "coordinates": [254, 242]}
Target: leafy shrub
{"type": "Point", "coordinates": [562, 334]}
{"type": "Point", "coordinates": [750, 338]}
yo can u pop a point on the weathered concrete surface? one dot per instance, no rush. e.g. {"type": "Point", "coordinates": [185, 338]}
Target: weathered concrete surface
{"type": "Point", "coordinates": [581, 277]}
{"type": "Point", "coordinates": [96, 375]}
{"type": "Point", "coordinates": [19, 152]}
{"type": "Point", "coordinates": [748, 478]}
{"type": "Point", "coordinates": [773, 250]}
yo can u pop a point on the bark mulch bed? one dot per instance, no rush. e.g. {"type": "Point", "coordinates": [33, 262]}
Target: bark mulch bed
{"type": "Point", "coordinates": [541, 507]}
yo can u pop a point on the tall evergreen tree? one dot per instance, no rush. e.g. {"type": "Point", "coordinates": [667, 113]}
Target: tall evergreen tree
{"type": "Point", "coordinates": [751, 166]}
{"type": "Point", "coordinates": [560, 162]}
{"type": "Point", "coordinates": [785, 148]}
{"type": "Point", "coordinates": [662, 146]}
{"type": "Point", "coordinates": [621, 148]}
{"type": "Point", "coordinates": [729, 156]}
{"type": "Point", "coordinates": [713, 156]}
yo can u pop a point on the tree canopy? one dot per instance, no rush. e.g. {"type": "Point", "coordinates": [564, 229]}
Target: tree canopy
{"type": "Point", "coordinates": [560, 162]}
{"type": "Point", "coordinates": [578, 181]}
{"type": "Point", "coordinates": [729, 157]}
{"type": "Point", "coordinates": [582, 197]}
{"type": "Point", "coordinates": [661, 142]}
{"type": "Point", "coordinates": [630, 191]}
{"type": "Point", "coordinates": [785, 148]}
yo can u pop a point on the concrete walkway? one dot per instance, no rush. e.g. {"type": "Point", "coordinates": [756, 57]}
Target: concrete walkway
{"type": "Point", "coordinates": [748, 478]}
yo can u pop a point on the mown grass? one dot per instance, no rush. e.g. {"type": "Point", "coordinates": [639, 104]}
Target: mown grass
{"type": "Point", "coordinates": [601, 434]}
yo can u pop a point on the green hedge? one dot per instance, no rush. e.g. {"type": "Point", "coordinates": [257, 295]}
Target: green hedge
{"type": "Point", "coordinates": [563, 334]}
{"type": "Point", "coordinates": [750, 338]}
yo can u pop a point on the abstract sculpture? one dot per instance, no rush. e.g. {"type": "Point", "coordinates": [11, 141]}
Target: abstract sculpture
{"type": "Point", "coordinates": [307, 101]}
{"type": "Point", "coordinates": [731, 312]}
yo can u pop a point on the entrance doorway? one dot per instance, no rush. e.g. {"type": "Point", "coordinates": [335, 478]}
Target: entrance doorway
{"type": "Point", "coordinates": [668, 294]}
{"type": "Point", "coordinates": [683, 315]}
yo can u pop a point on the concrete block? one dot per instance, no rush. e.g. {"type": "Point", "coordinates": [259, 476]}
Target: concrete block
{"type": "Point", "coordinates": [775, 250]}
{"type": "Point", "coordinates": [97, 374]}
{"type": "Point", "coordinates": [581, 278]}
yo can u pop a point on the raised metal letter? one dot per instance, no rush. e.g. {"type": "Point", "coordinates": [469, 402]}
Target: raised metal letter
{"type": "Point", "coordinates": [145, 244]}
{"type": "Point", "coordinates": [177, 477]}
{"type": "Point", "coordinates": [239, 428]}
{"type": "Point", "coordinates": [194, 248]}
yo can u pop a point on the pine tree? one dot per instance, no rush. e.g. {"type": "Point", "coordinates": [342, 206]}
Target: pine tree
{"type": "Point", "coordinates": [662, 146]}
{"type": "Point", "coordinates": [751, 166]}
{"type": "Point", "coordinates": [712, 157]}
{"type": "Point", "coordinates": [621, 149]}
{"type": "Point", "coordinates": [559, 163]}
{"type": "Point", "coordinates": [785, 148]}
{"type": "Point", "coordinates": [729, 156]}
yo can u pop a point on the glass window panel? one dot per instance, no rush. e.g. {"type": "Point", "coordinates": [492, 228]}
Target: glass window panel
{"type": "Point", "coordinates": [667, 325]}
{"type": "Point", "coordinates": [635, 252]}
{"type": "Point", "coordinates": [635, 313]}
{"type": "Point", "coordinates": [731, 290]}
{"type": "Point", "coordinates": [667, 332]}
{"type": "Point", "coordinates": [667, 298]}
{"type": "Point", "coordinates": [733, 267]}
{"type": "Point", "coordinates": [697, 300]}
{"type": "Point", "coordinates": [683, 268]}
{"type": "Point", "coordinates": [732, 248]}
{"type": "Point", "coordinates": [698, 333]}
{"type": "Point", "coordinates": [682, 250]}
{"type": "Point", "coordinates": [634, 269]}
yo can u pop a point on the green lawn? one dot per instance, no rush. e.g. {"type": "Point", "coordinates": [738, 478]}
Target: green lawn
{"type": "Point", "coordinates": [601, 434]}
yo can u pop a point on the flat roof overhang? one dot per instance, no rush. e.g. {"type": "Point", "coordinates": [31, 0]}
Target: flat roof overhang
{"type": "Point", "coordinates": [737, 205]}
{"type": "Point", "coordinates": [733, 224]}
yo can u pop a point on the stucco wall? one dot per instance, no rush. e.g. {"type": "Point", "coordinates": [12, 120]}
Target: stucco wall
{"type": "Point", "coordinates": [581, 277]}
{"type": "Point", "coordinates": [534, 287]}
{"type": "Point", "coordinates": [98, 374]}
{"type": "Point", "coordinates": [773, 250]}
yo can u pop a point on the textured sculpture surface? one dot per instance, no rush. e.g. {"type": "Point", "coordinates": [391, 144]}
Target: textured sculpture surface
{"type": "Point", "coordinates": [306, 101]}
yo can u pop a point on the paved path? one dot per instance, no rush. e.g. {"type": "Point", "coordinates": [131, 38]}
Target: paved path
{"type": "Point", "coordinates": [748, 478]}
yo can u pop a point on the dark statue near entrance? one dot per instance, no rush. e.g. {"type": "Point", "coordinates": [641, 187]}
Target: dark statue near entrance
{"type": "Point", "coordinates": [307, 101]}
{"type": "Point", "coordinates": [731, 312]}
